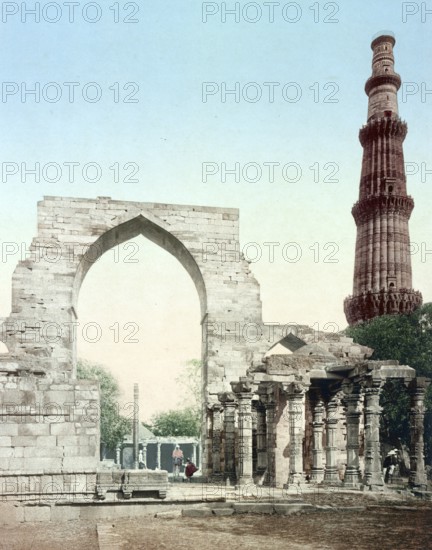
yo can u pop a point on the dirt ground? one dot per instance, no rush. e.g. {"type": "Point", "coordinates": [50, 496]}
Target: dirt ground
{"type": "Point", "coordinates": [386, 527]}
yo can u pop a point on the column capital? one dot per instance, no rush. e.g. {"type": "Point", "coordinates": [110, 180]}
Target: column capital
{"type": "Point", "coordinates": [215, 407]}
{"type": "Point", "coordinates": [351, 387]}
{"type": "Point", "coordinates": [295, 389]}
{"type": "Point", "coordinates": [242, 386]}
{"type": "Point", "coordinates": [227, 398]}
{"type": "Point", "coordinates": [372, 384]}
{"type": "Point", "coordinates": [419, 385]}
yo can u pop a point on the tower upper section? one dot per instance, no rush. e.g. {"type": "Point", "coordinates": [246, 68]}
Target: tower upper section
{"type": "Point", "coordinates": [383, 85]}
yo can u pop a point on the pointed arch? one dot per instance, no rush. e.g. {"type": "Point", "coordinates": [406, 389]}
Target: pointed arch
{"type": "Point", "coordinates": [156, 233]}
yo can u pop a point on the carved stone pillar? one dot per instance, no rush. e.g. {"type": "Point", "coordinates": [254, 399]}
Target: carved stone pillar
{"type": "Point", "coordinates": [117, 459]}
{"type": "Point", "coordinates": [158, 456]}
{"type": "Point", "coordinates": [268, 400]}
{"type": "Point", "coordinates": [216, 441]}
{"type": "Point", "coordinates": [135, 432]}
{"type": "Point", "coordinates": [373, 470]}
{"type": "Point", "coordinates": [194, 454]}
{"type": "Point", "coordinates": [261, 438]}
{"type": "Point", "coordinates": [243, 391]}
{"type": "Point", "coordinates": [317, 473]}
{"type": "Point", "coordinates": [417, 389]}
{"type": "Point", "coordinates": [228, 400]}
{"type": "Point", "coordinates": [295, 393]}
{"type": "Point", "coordinates": [331, 474]}
{"type": "Point", "coordinates": [144, 454]}
{"type": "Point", "coordinates": [254, 436]}
{"type": "Point", "coordinates": [207, 467]}
{"type": "Point", "coordinates": [352, 412]}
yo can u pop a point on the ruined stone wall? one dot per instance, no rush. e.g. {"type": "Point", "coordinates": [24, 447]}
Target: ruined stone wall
{"type": "Point", "coordinates": [47, 423]}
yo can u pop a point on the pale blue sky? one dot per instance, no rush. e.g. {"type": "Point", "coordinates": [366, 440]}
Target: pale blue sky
{"type": "Point", "coordinates": [170, 132]}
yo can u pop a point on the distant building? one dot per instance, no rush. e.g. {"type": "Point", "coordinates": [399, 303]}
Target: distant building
{"type": "Point", "coordinates": [382, 272]}
{"type": "Point", "coordinates": [156, 452]}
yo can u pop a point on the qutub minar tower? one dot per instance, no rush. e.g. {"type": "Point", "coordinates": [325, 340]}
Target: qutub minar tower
{"type": "Point", "coordinates": [382, 272]}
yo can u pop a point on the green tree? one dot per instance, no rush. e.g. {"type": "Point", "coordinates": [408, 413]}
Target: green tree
{"type": "Point", "coordinates": [175, 423]}
{"type": "Point", "coordinates": [113, 426]}
{"type": "Point", "coordinates": [408, 339]}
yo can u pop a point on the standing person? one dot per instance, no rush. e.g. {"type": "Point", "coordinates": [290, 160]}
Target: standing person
{"type": "Point", "coordinates": [177, 457]}
{"type": "Point", "coordinates": [389, 465]}
{"type": "Point", "coordinates": [190, 469]}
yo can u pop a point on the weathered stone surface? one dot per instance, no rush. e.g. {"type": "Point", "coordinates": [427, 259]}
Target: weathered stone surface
{"type": "Point", "coordinates": [37, 512]}
{"type": "Point", "coordinates": [65, 513]}
{"type": "Point", "coordinates": [11, 513]}
{"type": "Point", "coordinates": [287, 509]}
{"type": "Point", "coordinates": [196, 512]}
{"type": "Point", "coordinates": [223, 511]}
{"type": "Point", "coordinates": [169, 514]}
{"type": "Point", "coordinates": [253, 508]}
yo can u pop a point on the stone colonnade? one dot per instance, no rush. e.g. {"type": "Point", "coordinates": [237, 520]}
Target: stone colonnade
{"type": "Point", "coordinates": [241, 439]}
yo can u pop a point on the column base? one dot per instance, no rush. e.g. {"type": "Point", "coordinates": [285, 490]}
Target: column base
{"type": "Point", "coordinates": [375, 488]}
{"type": "Point", "coordinates": [416, 481]}
{"type": "Point", "coordinates": [331, 477]}
{"type": "Point", "coordinates": [269, 479]}
{"type": "Point", "coordinates": [245, 480]}
{"type": "Point", "coordinates": [375, 480]}
{"type": "Point", "coordinates": [352, 479]}
{"type": "Point", "coordinates": [215, 477]}
{"type": "Point", "coordinates": [229, 479]}
{"type": "Point", "coordinates": [317, 475]}
{"type": "Point", "coordinates": [420, 487]}
{"type": "Point", "coordinates": [296, 479]}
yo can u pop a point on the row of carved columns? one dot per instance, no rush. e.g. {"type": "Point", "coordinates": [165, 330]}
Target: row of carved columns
{"type": "Point", "coordinates": [235, 444]}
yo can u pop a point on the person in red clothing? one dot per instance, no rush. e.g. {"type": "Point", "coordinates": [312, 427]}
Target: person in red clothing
{"type": "Point", "coordinates": [190, 469]}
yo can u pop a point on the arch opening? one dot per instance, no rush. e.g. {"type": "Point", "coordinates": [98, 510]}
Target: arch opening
{"type": "Point", "coordinates": [126, 231]}
{"type": "Point", "coordinates": [140, 318]}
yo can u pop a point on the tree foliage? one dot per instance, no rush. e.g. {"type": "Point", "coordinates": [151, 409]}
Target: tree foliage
{"type": "Point", "coordinates": [113, 426]}
{"type": "Point", "coordinates": [175, 423]}
{"type": "Point", "coordinates": [408, 339]}
{"type": "Point", "coordinates": [185, 420]}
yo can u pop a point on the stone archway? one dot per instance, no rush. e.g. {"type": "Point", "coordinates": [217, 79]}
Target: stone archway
{"type": "Point", "coordinates": [74, 232]}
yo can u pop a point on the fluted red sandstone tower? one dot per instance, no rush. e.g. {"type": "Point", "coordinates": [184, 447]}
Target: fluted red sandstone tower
{"type": "Point", "coordinates": [382, 272]}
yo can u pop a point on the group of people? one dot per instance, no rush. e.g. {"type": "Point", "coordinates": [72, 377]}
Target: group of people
{"type": "Point", "coordinates": [190, 468]}
{"type": "Point", "coordinates": [389, 465]}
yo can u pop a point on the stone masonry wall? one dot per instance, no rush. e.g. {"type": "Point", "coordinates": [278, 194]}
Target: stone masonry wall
{"type": "Point", "coordinates": [48, 424]}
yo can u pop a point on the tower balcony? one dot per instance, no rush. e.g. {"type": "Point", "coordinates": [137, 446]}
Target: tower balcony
{"type": "Point", "coordinates": [386, 126]}
{"type": "Point", "coordinates": [383, 79]}
{"type": "Point", "coordinates": [383, 203]}
{"type": "Point", "coordinates": [370, 304]}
